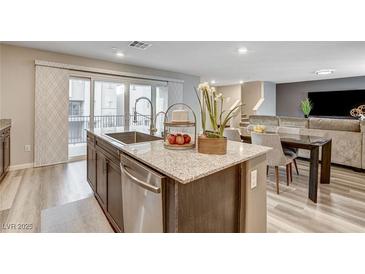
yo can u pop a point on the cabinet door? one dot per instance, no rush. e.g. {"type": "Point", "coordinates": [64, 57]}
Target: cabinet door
{"type": "Point", "coordinates": [91, 167]}
{"type": "Point", "coordinates": [6, 152]}
{"type": "Point", "coordinates": [1, 154]}
{"type": "Point", "coordinates": [115, 206]}
{"type": "Point", "coordinates": [101, 177]}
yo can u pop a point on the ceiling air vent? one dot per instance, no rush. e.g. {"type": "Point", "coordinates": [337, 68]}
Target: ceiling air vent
{"type": "Point", "coordinates": [139, 45]}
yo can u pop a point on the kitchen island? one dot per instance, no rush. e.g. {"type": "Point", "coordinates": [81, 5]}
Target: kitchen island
{"type": "Point", "coordinates": [183, 191]}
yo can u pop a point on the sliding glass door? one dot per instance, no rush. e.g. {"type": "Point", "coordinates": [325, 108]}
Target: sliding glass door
{"type": "Point", "coordinates": [111, 104]}
{"type": "Point", "coordinates": [78, 115]}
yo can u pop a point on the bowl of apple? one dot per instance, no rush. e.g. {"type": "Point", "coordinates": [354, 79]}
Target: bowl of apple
{"type": "Point", "coordinates": [178, 141]}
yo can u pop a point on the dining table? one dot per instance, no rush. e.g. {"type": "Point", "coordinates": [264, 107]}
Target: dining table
{"type": "Point", "coordinates": [313, 144]}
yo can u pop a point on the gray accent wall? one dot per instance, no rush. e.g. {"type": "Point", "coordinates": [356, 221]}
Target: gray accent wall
{"type": "Point", "coordinates": [289, 95]}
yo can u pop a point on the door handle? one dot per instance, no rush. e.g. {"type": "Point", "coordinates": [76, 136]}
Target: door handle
{"type": "Point", "coordinates": [139, 182]}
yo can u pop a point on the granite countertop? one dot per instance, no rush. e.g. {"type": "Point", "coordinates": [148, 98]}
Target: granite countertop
{"type": "Point", "coordinates": [186, 165]}
{"type": "Point", "coordinates": [189, 165]}
{"type": "Point", "coordinates": [4, 123]}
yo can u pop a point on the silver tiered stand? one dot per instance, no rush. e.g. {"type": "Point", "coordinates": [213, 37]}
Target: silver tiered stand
{"type": "Point", "coordinates": [189, 125]}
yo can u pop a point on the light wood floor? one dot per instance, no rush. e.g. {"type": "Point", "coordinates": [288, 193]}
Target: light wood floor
{"type": "Point", "coordinates": [58, 199]}
{"type": "Point", "coordinates": [340, 207]}
{"type": "Point", "coordinates": [50, 199]}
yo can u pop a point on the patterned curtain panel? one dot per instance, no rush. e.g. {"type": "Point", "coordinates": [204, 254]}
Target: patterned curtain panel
{"type": "Point", "coordinates": [51, 116]}
{"type": "Point", "coordinates": [175, 93]}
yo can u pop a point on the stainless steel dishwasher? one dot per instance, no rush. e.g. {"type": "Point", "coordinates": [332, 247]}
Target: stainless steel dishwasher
{"type": "Point", "coordinates": [142, 197]}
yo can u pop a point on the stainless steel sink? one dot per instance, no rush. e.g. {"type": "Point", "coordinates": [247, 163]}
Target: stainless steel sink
{"type": "Point", "coordinates": [131, 137]}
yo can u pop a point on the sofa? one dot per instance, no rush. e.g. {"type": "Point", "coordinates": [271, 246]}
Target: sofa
{"type": "Point", "coordinates": [348, 136]}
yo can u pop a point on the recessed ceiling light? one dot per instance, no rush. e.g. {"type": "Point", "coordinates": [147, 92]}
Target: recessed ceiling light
{"type": "Point", "coordinates": [242, 50]}
{"type": "Point", "coordinates": [120, 54]}
{"type": "Point", "coordinates": [213, 82]}
{"type": "Point", "coordinates": [241, 82]}
{"type": "Point", "coordinates": [324, 71]}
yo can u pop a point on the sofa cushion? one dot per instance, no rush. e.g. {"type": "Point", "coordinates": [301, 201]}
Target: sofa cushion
{"type": "Point", "coordinates": [346, 146]}
{"type": "Point", "coordinates": [264, 120]}
{"type": "Point", "coordinates": [293, 122]}
{"type": "Point", "coordinates": [334, 124]}
{"type": "Point", "coordinates": [289, 130]}
{"type": "Point", "coordinates": [362, 125]}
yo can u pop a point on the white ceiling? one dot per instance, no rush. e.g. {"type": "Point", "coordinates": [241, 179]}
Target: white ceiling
{"type": "Point", "coordinates": [268, 61]}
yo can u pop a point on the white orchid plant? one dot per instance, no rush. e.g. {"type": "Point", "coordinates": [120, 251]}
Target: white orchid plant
{"type": "Point", "coordinates": [211, 106]}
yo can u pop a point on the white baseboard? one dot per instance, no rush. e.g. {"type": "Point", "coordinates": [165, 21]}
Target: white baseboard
{"type": "Point", "coordinates": [22, 166]}
{"type": "Point", "coordinates": [31, 165]}
{"type": "Point", "coordinates": [77, 158]}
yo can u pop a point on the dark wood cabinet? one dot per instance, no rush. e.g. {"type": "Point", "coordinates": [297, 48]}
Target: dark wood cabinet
{"type": "Point", "coordinates": [4, 152]}
{"type": "Point", "coordinates": [101, 178]}
{"type": "Point", "coordinates": [115, 206]}
{"type": "Point", "coordinates": [91, 166]}
{"type": "Point", "coordinates": [104, 176]}
{"type": "Point", "coordinates": [1, 155]}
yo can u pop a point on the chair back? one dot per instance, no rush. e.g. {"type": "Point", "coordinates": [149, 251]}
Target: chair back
{"type": "Point", "coordinates": [269, 129]}
{"type": "Point", "coordinates": [276, 156]}
{"type": "Point", "coordinates": [232, 134]}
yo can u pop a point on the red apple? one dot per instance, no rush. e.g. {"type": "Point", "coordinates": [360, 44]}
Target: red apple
{"type": "Point", "coordinates": [171, 138]}
{"type": "Point", "coordinates": [179, 139]}
{"type": "Point", "coordinates": [187, 138]}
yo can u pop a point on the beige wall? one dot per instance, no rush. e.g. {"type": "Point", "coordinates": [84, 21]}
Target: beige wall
{"type": "Point", "coordinates": [251, 94]}
{"type": "Point", "coordinates": [231, 94]}
{"type": "Point", "coordinates": [17, 99]}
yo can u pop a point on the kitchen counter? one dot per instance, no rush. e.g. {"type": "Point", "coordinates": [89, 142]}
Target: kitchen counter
{"type": "Point", "coordinates": [4, 123]}
{"type": "Point", "coordinates": [186, 165]}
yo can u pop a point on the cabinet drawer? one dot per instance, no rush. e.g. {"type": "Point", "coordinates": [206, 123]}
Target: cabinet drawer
{"type": "Point", "coordinates": [112, 151]}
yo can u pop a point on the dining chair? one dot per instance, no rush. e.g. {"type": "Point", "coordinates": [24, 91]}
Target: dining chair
{"type": "Point", "coordinates": [289, 150]}
{"type": "Point", "coordinates": [276, 156]}
{"type": "Point", "coordinates": [232, 134]}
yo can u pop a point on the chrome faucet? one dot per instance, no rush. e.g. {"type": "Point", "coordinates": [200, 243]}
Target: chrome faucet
{"type": "Point", "coordinates": [158, 113]}
{"type": "Point", "coordinates": [152, 125]}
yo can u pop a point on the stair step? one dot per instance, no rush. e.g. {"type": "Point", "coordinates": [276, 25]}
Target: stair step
{"type": "Point", "coordinates": [244, 124]}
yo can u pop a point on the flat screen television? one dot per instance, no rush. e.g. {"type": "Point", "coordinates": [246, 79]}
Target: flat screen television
{"type": "Point", "coordinates": [336, 103]}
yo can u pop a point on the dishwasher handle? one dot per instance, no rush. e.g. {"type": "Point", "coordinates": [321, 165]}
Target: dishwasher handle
{"type": "Point", "coordinates": [137, 181]}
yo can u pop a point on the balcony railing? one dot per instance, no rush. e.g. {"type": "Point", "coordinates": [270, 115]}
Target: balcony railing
{"type": "Point", "coordinates": [78, 124]}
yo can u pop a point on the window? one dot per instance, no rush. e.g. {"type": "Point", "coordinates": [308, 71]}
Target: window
{"type": "Point", "coordinates": [109, 109]}
{"type": "Point", "coordinates": [79, 115]}
{"type": "Point", "coordinates": [75, 108]}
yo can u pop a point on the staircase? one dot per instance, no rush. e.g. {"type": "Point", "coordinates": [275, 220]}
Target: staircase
{"type": "Point", "coordinates": [244, 118]}
{"type": "Point", "coordinates": [244, 121]}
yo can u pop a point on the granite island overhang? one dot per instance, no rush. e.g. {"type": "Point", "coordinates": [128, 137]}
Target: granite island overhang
{"type": "Point", "coordinates": [201, 193]}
